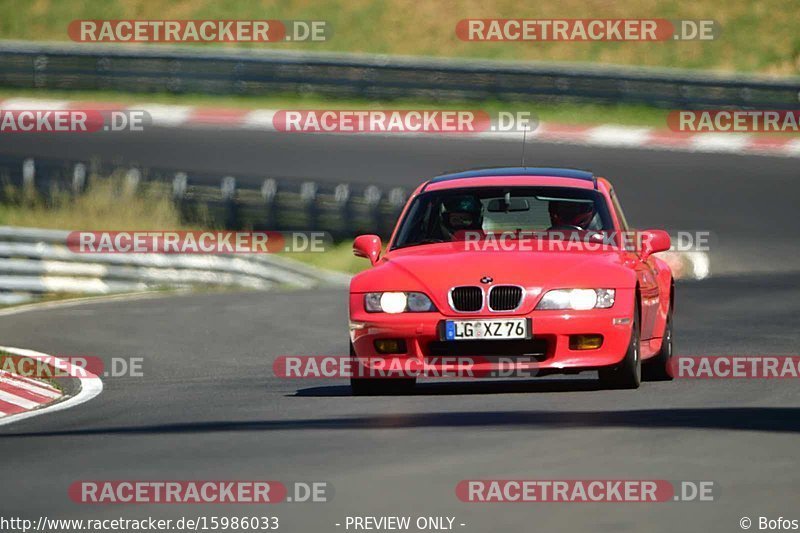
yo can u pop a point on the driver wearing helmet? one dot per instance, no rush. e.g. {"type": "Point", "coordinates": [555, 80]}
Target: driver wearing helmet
{"type": "Point", "coordinates": [460, 215]}
{"type": "Point", "coordinates": [571, 215]}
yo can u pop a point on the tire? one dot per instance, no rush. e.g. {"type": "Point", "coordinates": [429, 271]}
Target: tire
{"type": "Point", "coordinates": [627, 374]}
{"type": "Point", "coordinates": [657, 368]}
{"type": "Point", "coordinates": [377, 387]}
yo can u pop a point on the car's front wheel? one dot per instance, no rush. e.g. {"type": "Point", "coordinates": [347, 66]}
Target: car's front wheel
{"type": "Point", "coordinates": [658, 368]}
{"type": "Point", "coordinates": [379, 386]}
{"type": "Point", "coordinates": [628, 373]}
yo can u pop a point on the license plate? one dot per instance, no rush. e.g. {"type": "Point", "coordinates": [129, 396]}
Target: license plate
{"type": "Point", "coordinates": [509, 328]}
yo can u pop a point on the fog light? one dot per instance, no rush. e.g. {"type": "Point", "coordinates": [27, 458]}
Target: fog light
{"type": "Point", "coordinates": [585, 342]}
{"type": "Point", "coordinates": [385, 346]}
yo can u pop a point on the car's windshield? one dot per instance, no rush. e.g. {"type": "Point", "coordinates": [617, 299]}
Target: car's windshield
{"type": "Point", "coordinates": [443, 216]}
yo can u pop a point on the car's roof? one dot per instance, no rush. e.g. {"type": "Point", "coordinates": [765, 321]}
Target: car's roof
{"type": "Point", "coordinates": [499, 176]}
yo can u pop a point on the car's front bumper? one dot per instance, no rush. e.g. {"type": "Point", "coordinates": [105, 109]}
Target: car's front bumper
{"type": "Point", "coordinates": [547, 351]}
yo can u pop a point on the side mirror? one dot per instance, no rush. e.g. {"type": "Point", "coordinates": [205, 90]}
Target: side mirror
{"type": "Point", "coordinates": [368, 246]}
{"type": "Point", "coordinates": [652, 241]}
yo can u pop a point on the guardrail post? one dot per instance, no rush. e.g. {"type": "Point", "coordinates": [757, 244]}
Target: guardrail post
{"type": "Point", "coordinates": [397, 199]}
{"type": "Point", "coordinates": [132, 179]}
{"type": "Point", "coordinates": [372, 197]}
{"type": "Point", "coordinates": [175, 81]}
{"type": "Point", "coordinates": [308, 195]}
{"type": "Point", "coordinates": [180, 183]}
{"type": "Point", "coordinates": [228, 189]}
{"type": "Point", "coordinates": [341, 196]}
{"type": "Point", "coordinates": [28, 175]}
{"type": "Point", "coordinates": [78, 178]}
{"type": "Point", "coordinates": [269, 193]}
{"type": "Point", "coordinates": [40, 71]}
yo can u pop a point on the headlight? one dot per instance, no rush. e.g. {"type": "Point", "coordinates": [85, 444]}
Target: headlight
{"type": "Point", "coordinates": [577, 299]}
{"type": "Point", "coordinates": [397, 302]}
{"type": "Point", "coordinates": [419, 303]}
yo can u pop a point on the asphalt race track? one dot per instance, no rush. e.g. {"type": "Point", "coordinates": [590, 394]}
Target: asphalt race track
{"type": "Point", "coordinates": [208, 406]}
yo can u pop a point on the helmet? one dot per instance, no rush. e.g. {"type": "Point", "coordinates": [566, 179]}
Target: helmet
{"type": "Point", "coordinates": [460, 213]}
{"type": "Point", "coordinates": [571, 213]}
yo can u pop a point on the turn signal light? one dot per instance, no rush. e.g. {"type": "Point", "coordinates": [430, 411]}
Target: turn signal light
{"type": "Point", "coordinates": [585, 342]}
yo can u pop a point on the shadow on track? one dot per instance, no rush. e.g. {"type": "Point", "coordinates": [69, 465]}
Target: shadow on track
{"type": "Point", "coordinates": [776, 419]}
{"type": "Point", "coordinates": [471, 387]}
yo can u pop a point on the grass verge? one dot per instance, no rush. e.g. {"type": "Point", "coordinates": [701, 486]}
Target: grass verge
{"type": "Point", "coordinates": [756, 35]}
{"type": "Point", "coordinates": [107, 204]}
{"type": "Point", "coordinates": [338, 257]}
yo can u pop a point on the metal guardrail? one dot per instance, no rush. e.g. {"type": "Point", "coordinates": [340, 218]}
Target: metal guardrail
{"type": "Point", "coordinates": [239, 72]}
{"type": "Point", "coordinates": [342, 210]}
{"type": "Point", "coordinates": [38, 261]}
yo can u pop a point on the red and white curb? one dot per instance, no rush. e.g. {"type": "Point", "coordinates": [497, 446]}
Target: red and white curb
{"type": "Point", "coordinates": [22, 397]}
{"type": "Point", "coordinates": [607, 135]}
{"type": "Point", "coordinates": [19, 394]}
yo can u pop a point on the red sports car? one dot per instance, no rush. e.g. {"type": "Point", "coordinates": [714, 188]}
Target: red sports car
{"type": "Point", "coordinates": [524, 271]}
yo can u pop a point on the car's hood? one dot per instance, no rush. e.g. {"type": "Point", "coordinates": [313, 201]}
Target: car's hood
{"type": "Point", "coordinates": [435, 269]}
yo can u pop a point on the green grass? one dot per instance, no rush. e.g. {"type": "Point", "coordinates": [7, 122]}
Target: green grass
{"type": "Point", "coordinates": [757, 35]}
{"type": "Point", "coordinates": [565, 113]}
{"type": "Point", "coordinates": [338, 257]}
{"type": "Point", "coordinates": [106, 205]}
